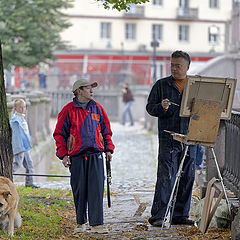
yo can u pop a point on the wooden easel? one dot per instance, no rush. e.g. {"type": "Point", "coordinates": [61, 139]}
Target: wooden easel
{"type": "Point", "coordinates": [203, 129]}
{"type": "Point", "coordinates": [207, 212]}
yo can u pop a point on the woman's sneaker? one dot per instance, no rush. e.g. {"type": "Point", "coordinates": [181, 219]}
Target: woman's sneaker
{"type": "Point", "coordinates": [99, 229]}
{"type": "Point", "coordinates": [80, 228]}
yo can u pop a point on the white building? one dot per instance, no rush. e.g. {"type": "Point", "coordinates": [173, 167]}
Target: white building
{"type": "Point", "coordinates": [196, 26]}
{"type": "Point", "coordinates": [111, 46]}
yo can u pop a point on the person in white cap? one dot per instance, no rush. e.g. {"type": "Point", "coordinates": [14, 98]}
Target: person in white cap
{"type": "Point", "coordinates": [82, 134]}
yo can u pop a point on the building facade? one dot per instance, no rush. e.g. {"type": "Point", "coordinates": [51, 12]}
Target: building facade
{"type": "Point", "coordinates": [111, 46]}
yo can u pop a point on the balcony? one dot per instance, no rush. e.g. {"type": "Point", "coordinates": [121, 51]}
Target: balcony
{"type": "Point", "coordinates": [187, 13]}
{"type": "Point", "coordinates": [135, 12]}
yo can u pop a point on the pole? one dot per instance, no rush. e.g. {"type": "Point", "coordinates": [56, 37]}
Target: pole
{"type": "Point", "coordinates": [109, 181]}
{"type": "Point", "coordinates": [122, 64]}
{"type": "Point", "coordinates": [221, 179]}
{"type": "Point", "coordinates": [154, 44]}
{"type": "Point", "coordinates": [40, 175]}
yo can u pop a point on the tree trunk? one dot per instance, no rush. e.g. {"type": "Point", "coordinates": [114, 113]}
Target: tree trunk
{"type": "Point", "coordinates": [6, 154]}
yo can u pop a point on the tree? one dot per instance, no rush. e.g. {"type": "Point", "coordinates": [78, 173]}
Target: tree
{"type": "Point", "coordinates": [120, 4]}
{"type": "Point", "coordinates": [6, 155]}
{"type": "Point", "coordinates": [30, 30]}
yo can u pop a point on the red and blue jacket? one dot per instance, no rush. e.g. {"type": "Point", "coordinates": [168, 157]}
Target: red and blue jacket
{"type": "Point", "coordinates": [82, 131]}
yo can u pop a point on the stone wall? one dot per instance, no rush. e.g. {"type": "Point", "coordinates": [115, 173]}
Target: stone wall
{"type": "Point", "coordinates": [111, 100]}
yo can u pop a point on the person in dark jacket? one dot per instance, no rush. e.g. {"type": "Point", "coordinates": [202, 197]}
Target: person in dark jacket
{"type": "Point", "coordinates": [164, 103]}
{"type": "Point", "coordinates": [128, 100]}
{"type": "Point", "coordinates": [82, 134]}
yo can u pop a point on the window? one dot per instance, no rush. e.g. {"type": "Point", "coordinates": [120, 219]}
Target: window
{"type": "Point", "coordinates": [214, 4]}
{"type": "Point", "coordinates": [130, 31]}
{"type": "Point", "coordinates": [213, 33]}
{"type": "Point", "coordinates": [157, 32]}
{"type": "Point", "coordinates": [105, 30]}
{"type": "Point", "coordinates": [133, 8]}
{"type": "Point", "coordinates": [183, 33]}
{"type": "Point", "coordinates": [157, 2]}
{"type": "Point", "coordinates": [183, 3]}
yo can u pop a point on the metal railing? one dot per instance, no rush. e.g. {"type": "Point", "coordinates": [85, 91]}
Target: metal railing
{"type": "Point", "coordinates": [187, 13]}
{"type": "Point", "coordinates": [135, 12]}
{"type": "Point", "coordinates": [231, 169]}
{"type": "Point", "coordinates": [40, 175]}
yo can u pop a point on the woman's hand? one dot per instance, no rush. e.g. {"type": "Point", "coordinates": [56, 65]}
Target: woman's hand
{"type": "Point", "coordinates": [66, 161]}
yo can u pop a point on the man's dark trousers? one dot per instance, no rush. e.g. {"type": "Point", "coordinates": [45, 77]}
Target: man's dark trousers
{"type": "Point", "coordinates": [168, 162]}
{"type": "Point", "coordinates": [87, 182]}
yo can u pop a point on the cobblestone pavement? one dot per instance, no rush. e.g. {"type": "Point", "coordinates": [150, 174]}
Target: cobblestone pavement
{"type": "Point", "coordinates": [133, 179]}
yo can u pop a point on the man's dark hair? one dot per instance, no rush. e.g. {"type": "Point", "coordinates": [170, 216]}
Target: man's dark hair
{"type": "Point", "coordinates": [178, 54]}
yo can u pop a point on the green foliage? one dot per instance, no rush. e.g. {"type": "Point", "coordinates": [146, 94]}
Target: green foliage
{"type": "Point", "coordinates": [120, 4]}
{"type": "Point", "coordinates": [30, 30]}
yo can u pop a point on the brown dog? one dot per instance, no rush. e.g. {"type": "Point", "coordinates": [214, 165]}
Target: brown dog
{"type": "Point", "coordinates": [9, 216]}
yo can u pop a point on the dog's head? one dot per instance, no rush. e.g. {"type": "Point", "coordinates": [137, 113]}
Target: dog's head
{"type": "Point", "coordinates": [4, 205]}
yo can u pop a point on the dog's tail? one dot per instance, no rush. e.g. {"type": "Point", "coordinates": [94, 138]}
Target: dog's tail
{"type": "Point", "coordinates": [17, 220]}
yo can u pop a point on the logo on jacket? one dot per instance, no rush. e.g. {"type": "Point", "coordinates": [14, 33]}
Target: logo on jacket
{"type": "Point", "coordinates": [95, 116]}
{"type": "Point", "coordinates": [72, 144]}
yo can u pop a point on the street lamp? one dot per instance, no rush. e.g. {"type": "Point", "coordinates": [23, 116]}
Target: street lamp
{"type": "Point", "coordinates": [154, 44]}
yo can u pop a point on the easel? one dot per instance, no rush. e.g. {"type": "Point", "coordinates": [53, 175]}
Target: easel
{"type": "Point", "coordinates": [203, 129]}
{"type": "Point", "coordinates": [207, 213]}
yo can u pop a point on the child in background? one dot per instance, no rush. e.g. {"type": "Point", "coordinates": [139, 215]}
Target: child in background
{"type": "Point", "coordinates": [21, 142]}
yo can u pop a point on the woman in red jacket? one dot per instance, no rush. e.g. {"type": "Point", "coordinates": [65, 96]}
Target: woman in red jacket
{"type": "Point", "coordinates": [82, 134]}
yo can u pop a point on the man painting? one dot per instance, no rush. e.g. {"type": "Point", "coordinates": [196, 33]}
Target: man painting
{"type": "Point", "coordinates": [165, 92]}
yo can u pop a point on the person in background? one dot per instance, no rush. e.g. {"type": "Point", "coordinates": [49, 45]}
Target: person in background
{"type": "Point", "coordinates": [42, 74]}
{"type": "Point", "coordinates": [164, 103]}
{"type": "Point", "coordinates": [128, 100]}
{"type": "Point", "coordinates": [82, 134]}
{"type": "Point", "coordinates": [21, 142]}
{"type": "Point", "coordinates": [197, 151]}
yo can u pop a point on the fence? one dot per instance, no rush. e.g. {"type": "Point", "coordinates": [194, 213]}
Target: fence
{"type": "Point", "coordinates": [111, 100]}
{"type": "Point", "coordinates": [109, 73]}
{"type": "Point", "coordinates": [231, 168]}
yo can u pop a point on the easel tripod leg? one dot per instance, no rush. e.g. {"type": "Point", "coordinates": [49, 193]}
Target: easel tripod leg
{"type": "Point", "coordinates": [221, 179]}
{"type": "Point", "coordinates": [173, 196]}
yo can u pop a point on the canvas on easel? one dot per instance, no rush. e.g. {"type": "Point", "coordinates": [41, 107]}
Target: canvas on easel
{"type": "Point", "coordinates": [204, 122]}
{"type": "Point", "coordinates": [208, 88]}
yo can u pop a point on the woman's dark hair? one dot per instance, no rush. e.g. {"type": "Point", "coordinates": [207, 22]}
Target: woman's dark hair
{"type": "Point", "coordinates": [178, 54]}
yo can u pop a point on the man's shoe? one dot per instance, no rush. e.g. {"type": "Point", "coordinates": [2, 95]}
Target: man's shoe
{"type": "Point", "coordinates": [182, 221]}
{"type": "Point", "coordinates": [99, 229]}
{"type": "Point", "coordinates": [32, 186]}
{"type": "Point", "coordinates": [80, 228]}
{"type": "Point", "coordinates": [158, 223]}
